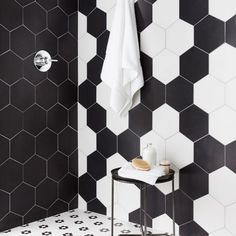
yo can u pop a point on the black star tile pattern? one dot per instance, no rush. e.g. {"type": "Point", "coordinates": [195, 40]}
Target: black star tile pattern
{"type": "Point", "coordinates": [35, 110]}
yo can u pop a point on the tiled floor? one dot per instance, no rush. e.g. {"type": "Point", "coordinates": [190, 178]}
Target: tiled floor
{"type": "Point", "coordinates": [73, 223]}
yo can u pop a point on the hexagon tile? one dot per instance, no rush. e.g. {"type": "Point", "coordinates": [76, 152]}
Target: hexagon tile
{"type": "Point", "coordinates": [187, 110]}
{"type": "Point", "coordinates": [38, 112]}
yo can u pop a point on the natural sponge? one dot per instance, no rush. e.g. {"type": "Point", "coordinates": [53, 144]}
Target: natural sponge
{"type": "Point", "coordinates": [140, 164]}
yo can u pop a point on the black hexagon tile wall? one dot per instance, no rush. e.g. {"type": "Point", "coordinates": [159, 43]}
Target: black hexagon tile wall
{"type": "Point", "coordinates": [187, 109]}
{"type": "Point", "coordinates": [38, 111]}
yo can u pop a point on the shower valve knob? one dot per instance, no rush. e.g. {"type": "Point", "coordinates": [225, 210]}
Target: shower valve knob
{"type": "Point", "coordinates": [43, 61]}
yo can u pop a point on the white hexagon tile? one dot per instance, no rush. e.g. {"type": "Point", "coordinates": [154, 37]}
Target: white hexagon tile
{"type": "Point", "coordinates": [179, 150]}
{"type": "Point", "coordinates": [230, 94]}
{"type": "Point", "coordinates": [209, 213]}
{"type": "Point", "coordinates": [222, 10]}
{"type": "Point", "coordinates": [230, 218]}
{"type": "Point", "coordinates": [159, 12]}
{"type": "Point", "coordinates": [209, 101]}
{"type": "Point", "coordinates": [179, 37]}
{"type": "Point", "coordinates": [165, 121]}
{"type": "Point", "coordinates": [225, 178]}
{"type": "Point", "coordinates": [166, 66]}
{"type": "Point", "coordinates": [155, 44]}
{"type": "Point", "coordinates": [226, 131]}
{"type": "Point", "coordinates": [221, 63]}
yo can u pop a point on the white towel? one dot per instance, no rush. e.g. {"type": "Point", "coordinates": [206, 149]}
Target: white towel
{"type": "Point", "coordinates": [150, 177]}
{"type": "Point", "coordinates": [122, 70]}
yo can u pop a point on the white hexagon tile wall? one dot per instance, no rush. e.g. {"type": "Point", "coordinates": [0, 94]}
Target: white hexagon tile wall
{"type": "Point", "coordinates": [187, 109]}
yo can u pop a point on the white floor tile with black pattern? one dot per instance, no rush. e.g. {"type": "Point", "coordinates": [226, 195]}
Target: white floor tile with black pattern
{"type": "Point", "coordinates": [73, 223]}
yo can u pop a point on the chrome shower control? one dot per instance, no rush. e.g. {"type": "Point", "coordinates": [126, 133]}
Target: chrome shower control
{"type": "Point", "coordinates": [43, 61]}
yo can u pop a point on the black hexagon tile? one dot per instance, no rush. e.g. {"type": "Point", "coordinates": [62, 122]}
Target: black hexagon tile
{"type": "Point", "coordinates": [102, 41]}
{"type": "Point", "coordinates": [209, 33]}
{"type": "Point", "coordinates": [146, 63]}
{"type": "Point", "coordinates": [68, 6]}
{"type": "Point", "coordinates": [4, 204]}
{"type": "Point", "coordinates": [57, 208]}
{"type": "Point", "coordinates": [36, 213]}
{"type": "Point", "coordinates": [68, 88]}
{"type": "Point", "coordinates": [4, 90]}
{"type": "Point", "coordinates": [230, 156]}
{"type": "Point", "coordinates": [96, 206]}
{"type": "Point", "coordinates": [57, 15]}
{"type": "Point", "coordinates": [96, 118]}
{"type": "Point", "coordinates": [25, 192]}
{"type": "Point", "coordinates": [22, 147]}
{"type": "Point", "coordinates": [86, 7]}
{"type": "Point", "coordinates": [68, 187]}
{"type": "Point", "coordinates": [194, 123]}
{"type": "Point", "coordinates": [96, 16]}
{"type": "Point", "coordinates": [57, 166]}
{"type": "Point", "coordinates": [140, 120]}
{"type": "Point", "coordinates": [155, 208]}
{"type": "Point", "coordinates": [10, 170]}
{"type": "Point", "coordinates": [87, 193]}
{"type": "Point", "coordinates": [59, 71]}
{"type": "Point", "coordinates": [22, 42]}
{"type": "Point", "coordinates": [35, 170]}
{"type": "Point", "coordinates": [182, 201]}
{"type": "Point", "coordinates": [68, 141]}
{"type": "Point", "coordinates": [31, 73]}
{"type": "Point", "coordinates": [194, 181]}
{"type": "Point", "coordinates": [4, 41]}
{"type": "Point", "coordinates": [194, 64]}
{"type": "Point", "coordinates": [209, 153]}
{"type": "Point", "coordinates": [128, 145]}
{"type": "Point", "coordinates": [46, 87]}
{"type": "Point", "coordinates": [153, 94]}
{"type": "Point", "coordinates": [68, 53]}
{"type": "Point", "coordinates": [7, 74]}
{"type": "Point", "coordinates": [94, 68]}
{"type": "Point", "coordinates": [47, 4]}
{"type": "Point", "coordinates": [15, 9]}
{"type": "Point", "coordinates": [179, 93]}
{"type": "Point", "coordinates": [143, 11]}
{"type": "Point", "coordinates": [96, 159]}
{"type": "Point", "coordinates": [230, 31]}
{"type": "Point", "coordinates": [46, 144]}
{"type": "Point", "coordinates": [11, 220]}
{"type": "Point", "coordinates": [4, 146]}
{"type": "Point", "coordinates": [47, 40]}
{"type": "Point", "coordinates": [35, 18]}
{"type": "Point", "coordinates": [11, 121]}
{"type": "Point", "coordinates": [47, 186]}
{"type": "Point", "coordinates": [32, 125]}
{"type": "Point", "coordinates": [87, 94]}
{"type": "Point", "coordinates": [57, 118]}
{"type": "Point", "coordinates": [106, 143]}
{"type": "Point", "coordinates": [22, 94]}
{"type": "Point", "coordinates": [134, 217]}
{"type": "Point", "coordinates": [193, 11]}
{"type": "Point", "coordinates": [192, 228]}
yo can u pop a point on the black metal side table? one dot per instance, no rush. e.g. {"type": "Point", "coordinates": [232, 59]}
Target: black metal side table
{"type": "Point", "coordinates": [143, 187]}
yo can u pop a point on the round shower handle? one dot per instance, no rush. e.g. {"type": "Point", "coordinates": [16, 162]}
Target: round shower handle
{"type": "Point", "coordinates": [43, 61]}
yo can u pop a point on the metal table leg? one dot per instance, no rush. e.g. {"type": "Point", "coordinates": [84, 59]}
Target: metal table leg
{"type": "Point", "coordinates": [145, 209]}
{"type": "Point", "coordinates": [112, 207]}
{"type": "Point", "coordinates": [173, 205]}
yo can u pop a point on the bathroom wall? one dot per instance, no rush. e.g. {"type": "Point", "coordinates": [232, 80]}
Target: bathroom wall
{"type": "Point", "coordinates": [187, 109]}
{"type": "Point", "coordinates": [38, 111]}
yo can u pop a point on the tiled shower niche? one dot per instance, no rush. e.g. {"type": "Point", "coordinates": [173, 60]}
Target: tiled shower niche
{"type": "Point", "coordinates": [187, 109]}
{"type": "Point", "coordinates": [38, 111]}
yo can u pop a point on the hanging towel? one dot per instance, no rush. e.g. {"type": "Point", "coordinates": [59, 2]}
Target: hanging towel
{"type": "Point", "coordinates": [149, 177]}
{"type": "Point", "coordinates": [122, 70]}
